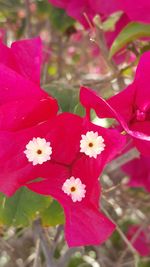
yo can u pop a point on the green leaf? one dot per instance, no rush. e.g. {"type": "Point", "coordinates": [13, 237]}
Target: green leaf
{"type": "Point", "coordinates": [53, 215]}
{"type": "Point", "coordinates": [67, 97]}
{"type": "Point", "coordinates": [22, 208]}
{"type": "Point", "coordinates": [130, 33]}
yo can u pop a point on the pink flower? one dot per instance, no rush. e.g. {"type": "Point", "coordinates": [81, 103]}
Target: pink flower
{"type": "Point", "coordinates": [142, 241]}
{"type": "Point", "coordinates": [130, 107]}
{"type": "Point", "coordinates": [139, 172]}
{"type": "Point", "coordinates": [80, 150]}
{"type": "Point", "coordinates": [52, 150]}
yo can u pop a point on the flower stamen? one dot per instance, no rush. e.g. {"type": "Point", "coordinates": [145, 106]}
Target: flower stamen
{"type": "Point", "coordinates": [74, 188]}
{"type": "Point", "coordinates": [92, 144]}
{"type": "Point", "coordinates": [38, 151]}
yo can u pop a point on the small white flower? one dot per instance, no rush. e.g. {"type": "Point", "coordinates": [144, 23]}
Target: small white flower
{"type": "Point", "coordinates": [74, 188]}
{"type": "Point", "coordinates": [38, 151]}
{"type": "Point", "coordinates": [92, 144]}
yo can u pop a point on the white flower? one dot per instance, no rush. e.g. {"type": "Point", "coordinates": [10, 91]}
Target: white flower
{"type": "Point", "coordinates": [38, 151]}
{"type": "Point", "coordinates": [92, 144]}
{"type": "Point", "coordinates": [74, 188]}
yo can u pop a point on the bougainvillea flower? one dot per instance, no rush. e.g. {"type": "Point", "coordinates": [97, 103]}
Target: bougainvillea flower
{"type": "Point", "coordinates": [139, 172]}
{"type": "Point", "coordinates": [58, 142]}
{"type": "Point", "coordinates": [130, 107]}
{"type": "Point", "coordinates": [80, 150]}
{"type": "Point", "coordinates": [142, 241]}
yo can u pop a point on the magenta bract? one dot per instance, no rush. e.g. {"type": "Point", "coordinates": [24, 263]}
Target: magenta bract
{"type": "Point", "coordinates": [67, 161]}
{"type": "Point", "coordinates": [142, 241]}
{"type": "Point", "coordinates": [139, 172]}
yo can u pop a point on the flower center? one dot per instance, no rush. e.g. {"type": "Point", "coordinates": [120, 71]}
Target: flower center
{"type": "Point", "coordinates": [90, 144]}
{"type": "Point", "coordinates": [39, 151]}
{"type": "Point", "coordinates": [73, 189]}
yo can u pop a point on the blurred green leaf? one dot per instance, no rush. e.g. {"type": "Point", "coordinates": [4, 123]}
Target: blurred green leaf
{"type": "Point", "coordinates": [22, 208]}
{"type": "Point", "coordinates": [144, 264]}
{"type": "Point", "coordinates": [53, 215]}
{"type": "Point", "coordinates": [79, 110]}
{"type": "Point", "coordinates": [67, 97]}
{"type": "Point", "coordinates": [130, 33]}
{"type": "Point", "coordinates": [59, 19]}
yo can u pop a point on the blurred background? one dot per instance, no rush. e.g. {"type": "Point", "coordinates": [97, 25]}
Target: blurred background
{"type": "Point", "coordinates": [31, 226]}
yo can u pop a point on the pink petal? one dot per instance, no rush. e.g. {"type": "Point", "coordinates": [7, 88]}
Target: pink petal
{"type": "Point", "coordinates": [14, 87]}
{"type": "Point", "coordinates": [77, 9]}
{"type": "Point", "coordinates": [17, 115]}
{"type": "Point", "coordinates": [142, 80]}
{"type": "Point", "coordinates": [28, 56]}
{"type": "Point", "coordinates": [142, 241]}
{"type": "Point", "coordinates": [105, 7]}
{"type": "Point", "coordinates": [139, 172]}
{"type": "Point", "coordinates": [65, 135]}
{"type": "Point", "coordinates": [7, 57]}
{"type": "Point", "coordinates": [139, 12]}
{"type": "Point", "coordinates": [85, 225]}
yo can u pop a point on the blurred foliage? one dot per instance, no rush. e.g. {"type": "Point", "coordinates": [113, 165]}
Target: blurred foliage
{"type": "Point", "coordinates": [60, 21]}
{"type": "Point", "coordinates": [53, 214]}
{"type": "Point", "coordinates": [25, 206]}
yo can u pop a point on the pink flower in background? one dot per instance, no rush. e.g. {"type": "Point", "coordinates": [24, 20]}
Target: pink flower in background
{"type": "Point", "coordinates": [75, 8]}
{"type": "Point", "coordinates": [131, 107]}
{"type": "Point", "coordinates": [142, 241]}
{"type": "Point", "coordinates": [80, 150]}
{"type": "Point", "coordinates": [139, 172]}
